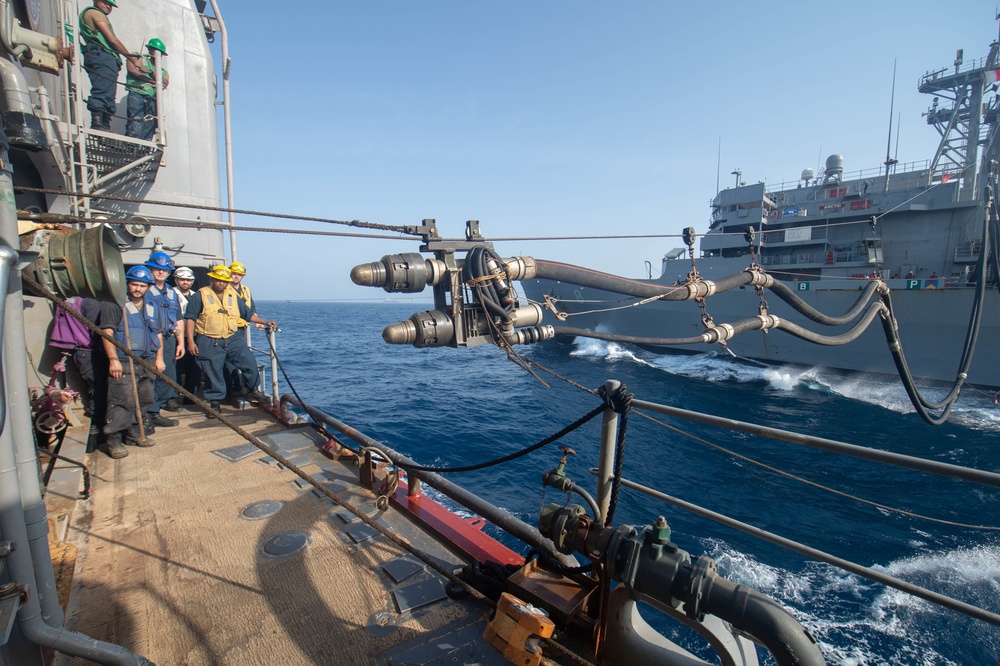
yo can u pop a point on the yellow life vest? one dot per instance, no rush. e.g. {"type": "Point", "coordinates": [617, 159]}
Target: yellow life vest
{"type": "Point", "coordinates": [244, 293]}
{"type": "Point", "coordinates": [219, 318]}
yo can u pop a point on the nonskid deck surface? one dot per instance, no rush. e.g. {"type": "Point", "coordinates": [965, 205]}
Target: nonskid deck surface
{"type": "Point", "coordinates": [173, 569]}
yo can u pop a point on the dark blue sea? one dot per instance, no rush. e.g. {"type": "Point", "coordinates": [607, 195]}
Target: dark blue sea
{"type": "Point", "coordinates": [461, 406]}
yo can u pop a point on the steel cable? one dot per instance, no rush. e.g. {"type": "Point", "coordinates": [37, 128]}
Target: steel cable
{"type": "Point", "coordinates": [219, 209]}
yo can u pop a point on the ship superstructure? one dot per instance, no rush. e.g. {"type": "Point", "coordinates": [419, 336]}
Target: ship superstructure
{"type": "Point", "coordinates": [54, 148]}
{"type": "Point", "coordinates": [917, 227]}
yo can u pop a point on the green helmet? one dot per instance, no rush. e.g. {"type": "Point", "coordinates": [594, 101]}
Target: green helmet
{"type": "Point", "coordinates": [157, 44]}
{"type": "Point", "coordinates": [111, 2]}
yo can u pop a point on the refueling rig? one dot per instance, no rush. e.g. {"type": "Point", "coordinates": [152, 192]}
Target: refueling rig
{"type": "Point", "coordinates": [474, 300]}
{"type": "Point", "coordinates": [475, 303]}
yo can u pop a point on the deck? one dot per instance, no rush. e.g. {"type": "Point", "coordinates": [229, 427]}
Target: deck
{"type": "Point", "coordinates": [170, 567]}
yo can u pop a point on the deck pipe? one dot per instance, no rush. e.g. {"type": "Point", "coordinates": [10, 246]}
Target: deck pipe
{"type": "Point", "coordinates": [21, 126]}
{"type": "Point", "coordinates": [502, 519]}
{"type": "Point", "coordinates": [23, 518]}
{"type": "Point", "coordinates": [609, 437]}
{"type": "Point", "coordinates": [228, 127]}
{"type": "Point", "coordinates": [19, 422]}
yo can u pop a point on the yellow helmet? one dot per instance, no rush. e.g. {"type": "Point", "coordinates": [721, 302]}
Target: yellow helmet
{"type": "Point", "coordinates": [238, 268]}
{"type": "Point", "coordinates": [220, 272]}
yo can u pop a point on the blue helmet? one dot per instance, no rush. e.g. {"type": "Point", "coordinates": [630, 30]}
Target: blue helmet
{"type": "Point", "coordinates": [160, 260]}
{"type": "Point", "coordinates": [139, 274]}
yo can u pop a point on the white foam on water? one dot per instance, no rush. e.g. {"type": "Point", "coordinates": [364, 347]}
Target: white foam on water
{"type": "Point", "coordinates": [611, 351]}
{"type": "Point", "coordinates": [858, 622]}
{"type": "Point", "coordinates": [711, 367]}
{"type": "Point", "coordinates": [975, 409]}
{"type": "Point", "coordinates": [962, 568]}
{"type": "Point", "coordinates": [782, 380]}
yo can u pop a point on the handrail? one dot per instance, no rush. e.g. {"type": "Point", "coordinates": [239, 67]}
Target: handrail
{"type": "Point", "coordinates": [509, 523]}
{"type": "Point", "coordinates": [876, 455]}
{"type": "Point", "coordinates": [910, 462]}
{"type": "Point", "coordinates": [272, 355]}
{"type": "Point", "coordinates": [847, 565]}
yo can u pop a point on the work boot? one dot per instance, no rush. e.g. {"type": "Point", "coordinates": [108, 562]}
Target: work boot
{"type": "Point", "coordinates": [115, 447]}
{"type": "Point", "coordinates": [96, 120]}
{"type": "Point", "coordinates": [106, 121]}
{"type": "Point", "coordinates": [162, 421]}
{"type": "Point", "coordinates": [172, 405]}
{"type": "Point", "coordinates": [132, 437]}
{"type": "Point", "coordinates": [256, 396]}
{"type": "Point", "coordinates": [215, 409]}
{"type": "Point", "coordinates": [95, 438]}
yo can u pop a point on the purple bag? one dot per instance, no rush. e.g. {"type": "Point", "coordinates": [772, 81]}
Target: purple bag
{"type": "Point", "coordinates": [67, 332]}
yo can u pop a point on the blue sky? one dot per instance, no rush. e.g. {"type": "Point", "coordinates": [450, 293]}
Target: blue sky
{"type": "Point", "coordinates": [557, 117]}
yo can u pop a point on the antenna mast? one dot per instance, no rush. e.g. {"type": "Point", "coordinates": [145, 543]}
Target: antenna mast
{"type": "Point", "coordinates": [718, 166]}
{"type": "Point", "coordinates": [889, 161]}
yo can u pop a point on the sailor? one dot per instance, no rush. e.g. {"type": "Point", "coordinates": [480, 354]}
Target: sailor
{"type": "Point", "coordinates": [215, 338]}
{"type": "Point", "coordinates": [188, 372]}
{"type": "Point", "coordinates": [135, 327]}
{"type": "Point", "coordinates": [183, 281]}
{"type": "Point", "coordinates": [236, 381]}
{"type": "Point", "coordinates": [140, 80]}
{"type": "Point", "coordinates": [239, 271]}
{"type": "Point", "coordinates": [168, 313]}
{"type": "Point", "coordinates": [69, 335]}
{"type": "Point", "coordinates": [102, 52]}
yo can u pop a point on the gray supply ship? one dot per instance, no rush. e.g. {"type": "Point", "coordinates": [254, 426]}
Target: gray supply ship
{"type": "Point", "coordinates": [916, 226]}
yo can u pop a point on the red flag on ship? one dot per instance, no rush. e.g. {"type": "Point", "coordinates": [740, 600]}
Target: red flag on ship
{"type": "Point", "coordinates": [945, 178]}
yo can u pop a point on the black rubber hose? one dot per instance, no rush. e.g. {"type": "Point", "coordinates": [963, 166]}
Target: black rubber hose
{"type": "Point", "coordinates": [711, 335]}
{"type": "Point", "coordinates": [763, 619]}
{"type": "Point", "coordinates": [589, 278]}
{"type": "Point", "coordinates": [586, 277]}
{"type": "Point", "coordinates": [834, 340]}
{"type": "Point", "coordinates": [485, 291]}
{"type": "Point", "coordinates": [783, 292]}
{"type": "Point", "coordinates": [740, 326]}
{"type": "Point", "coordinates": [945, 405]}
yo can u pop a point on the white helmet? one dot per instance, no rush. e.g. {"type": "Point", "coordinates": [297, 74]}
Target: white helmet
{"type": "Point", "coordinates": [184, 273]}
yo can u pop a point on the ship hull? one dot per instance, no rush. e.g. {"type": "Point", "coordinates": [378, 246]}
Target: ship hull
{"type": "Point", "coordinates": [932, 324]}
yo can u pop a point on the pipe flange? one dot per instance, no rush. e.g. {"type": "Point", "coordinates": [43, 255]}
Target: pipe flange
{"type": "Point", "coordinates": [703, 567]}
{"type": "Point", "coordinates": [725, 331]}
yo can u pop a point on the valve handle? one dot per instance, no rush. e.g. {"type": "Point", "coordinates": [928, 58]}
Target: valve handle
{"type": "Point", "coordinates": [567, 451]}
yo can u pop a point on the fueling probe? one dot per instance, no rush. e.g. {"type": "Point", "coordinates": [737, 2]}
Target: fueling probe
{"type": "Point", "coordinates": [474, 299]}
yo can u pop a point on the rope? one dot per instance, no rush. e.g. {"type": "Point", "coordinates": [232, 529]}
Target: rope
{"type": "Point", "coordinates": [620, 401]}
{"type": "Point", "coordinates": [562, 315]}
{"type": "Point", "coordinates": [523, 452]}
{"type": "Point", "coordinates": [291, 466]}
{"type": "Point", "coordinates": [478, 572]}
{"type": "Point", "coordinates": [135, 383]}
{"type": "Point", "coordinates": [316, 424]}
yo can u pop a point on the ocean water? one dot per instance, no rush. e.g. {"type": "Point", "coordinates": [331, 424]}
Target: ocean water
{"type": "Point", "coordinates": [461, 406]}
